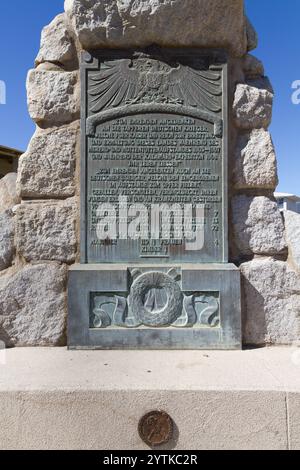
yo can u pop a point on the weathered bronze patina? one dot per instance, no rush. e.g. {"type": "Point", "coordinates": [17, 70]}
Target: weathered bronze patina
{"type": "Point", "coordinates": [156, 428]}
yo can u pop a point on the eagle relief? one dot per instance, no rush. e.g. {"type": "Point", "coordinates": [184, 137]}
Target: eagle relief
{"type": "Point", "coordinates": [144, 80]}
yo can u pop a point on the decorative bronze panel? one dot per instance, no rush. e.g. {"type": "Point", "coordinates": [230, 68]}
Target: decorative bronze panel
{"type": "Point", "coordinates": [153, 136]}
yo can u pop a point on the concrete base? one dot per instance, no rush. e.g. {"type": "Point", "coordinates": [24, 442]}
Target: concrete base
{"type": "Point", "coordinates": [59, 399]}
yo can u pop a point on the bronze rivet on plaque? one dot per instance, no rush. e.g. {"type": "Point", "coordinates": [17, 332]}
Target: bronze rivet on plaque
{"type": "Point", "coordinates": [156, 428]}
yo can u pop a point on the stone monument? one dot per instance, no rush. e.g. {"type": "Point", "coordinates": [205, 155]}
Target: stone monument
{"type": "Point", "coordinates": [147, 213]}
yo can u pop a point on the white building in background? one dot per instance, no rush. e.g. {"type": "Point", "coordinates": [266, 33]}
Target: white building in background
{"type": "Point", "coordinates": [288, 202]}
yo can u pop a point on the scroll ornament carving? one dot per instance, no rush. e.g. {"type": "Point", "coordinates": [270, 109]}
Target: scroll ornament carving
{"type": "Point", "coordinates": [155, 300]}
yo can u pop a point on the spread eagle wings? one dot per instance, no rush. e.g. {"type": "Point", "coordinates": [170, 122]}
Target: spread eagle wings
{"type": "Point", "coordinates": [119, 82]}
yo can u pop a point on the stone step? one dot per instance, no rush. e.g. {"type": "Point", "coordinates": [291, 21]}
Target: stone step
{"type": "Point", "coordinates": [51, 398]}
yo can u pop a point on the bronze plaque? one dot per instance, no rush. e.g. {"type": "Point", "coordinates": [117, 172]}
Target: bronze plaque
{"type": "Point", "coordinates": [154, 147]}
{"type": "Point", "coordinates": [154, 270]}
{"type": "Point", "coordinates": [156, 428]}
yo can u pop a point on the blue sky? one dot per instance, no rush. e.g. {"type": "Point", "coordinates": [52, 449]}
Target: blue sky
{"type": "Point", "coordinates": [276, 21]}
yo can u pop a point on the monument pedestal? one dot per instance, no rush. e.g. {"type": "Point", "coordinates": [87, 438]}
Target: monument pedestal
{"type": "Point", "coordinates": [52, 398]}
{"type": "Point", "coordinates": [154, 307]}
